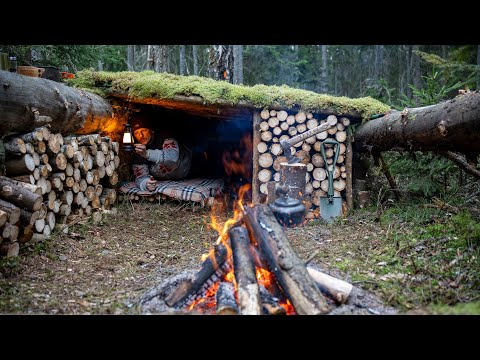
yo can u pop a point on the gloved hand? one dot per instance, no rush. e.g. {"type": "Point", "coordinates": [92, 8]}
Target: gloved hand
{"type": "Point", "coordinates": [151, 184]}
{"type": "Point", "coordinates": [141, 150]}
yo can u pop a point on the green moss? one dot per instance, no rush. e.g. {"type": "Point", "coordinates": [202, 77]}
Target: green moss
{"type": "Point", "coordinates": [166, 86]}
{"type": "Point", "coordinates": [472, 308]}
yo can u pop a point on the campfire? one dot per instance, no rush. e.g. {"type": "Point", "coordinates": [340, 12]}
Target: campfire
{"type": "Point", "coordinates": [251, 270]}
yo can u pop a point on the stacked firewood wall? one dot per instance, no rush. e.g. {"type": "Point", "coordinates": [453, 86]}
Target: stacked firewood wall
{"type": "Point", "coordinates": [278, 125]}
{"type": "Point", "coordinates": [50, 180]}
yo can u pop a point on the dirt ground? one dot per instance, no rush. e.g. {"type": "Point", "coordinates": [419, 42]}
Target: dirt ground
{"type": "Point", "coordinates": [105, 268]}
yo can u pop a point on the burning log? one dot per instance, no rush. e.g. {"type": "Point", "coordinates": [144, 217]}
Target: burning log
{"type": "Point", "coordinates": [244, 269]}
{"type": "Point", "coordinates": [181, 294]}
{"type": "Point", "coordinates": [270, 304]}
{"type": "Point", "coordinates": [289, 270]}
{"type": "Point", "coordinates": [337, 289]}
{"type": "Point", "coordinates": [225, 299]}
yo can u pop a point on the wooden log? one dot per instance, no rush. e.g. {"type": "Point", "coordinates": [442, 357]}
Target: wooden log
{"type": "Point", "coordinates": [31, 137]}
{"type": "Point", "coordinates": [19, 165]}
{"type": "Point", "coordinates": [111, 193]}
{"type": "Point", "coordinates": [68, 150]}
{"type": "Point", "coordinates": [98, 189]}
{"type": "Point", "coordinates": [348, 168]}
{"type": "Point", "coordinates": [13, 212]}
{"type": "Point", "coordinates": [300, 117]}
{"type": "Point", "coordinates": [248, 293]}
{"type": "Point", "coordinates": [276, 149]}
{"type": "Point", "coordinates": [339, 184]}
{"type": "Point", "coordinates": [337, 289]}
{"type": "Point", "coordinates": [37, 238]}
{"type": "Point", "coordinates": [273, 122]}
{"type": "Point", "coordinates": [9, 231]}
{"type": "Point", "coordinates": [39, 225]}
{"type": "Point", "coordinates": [266, 136]}
{"type": "Point", "coordinates": [116, 147]}
{"type": "Point", "coordinates": [341, 136]}
{"type": "Point", "coordinates": [450, 125]}
{"type": "Point", "coordinates": [225, 299]}
{"type": "Point", "coordinates": [180, 295]}
{"type": "Point", "coordinates": [262, 147]}
{"type": "Point", "coordinates": [293, 176]}
{"type": "Point", "coordinates": [332, 119]}
{"type": "Point", "coordinates": [282, 115]}
{"type": "Point", "coordinates": [319, 174]}
{"type": "Point", "coordinates": [65, 209]}
{"type": "Point", "coordinates": [29, 148]}
{"type": "Point", "coordinates": [105, 201]}
{"type": "Point", "coordinates": [265, 114]}
{"type": "Point", "coordinates": [26, 234]}
{"type": "Point", "coordinates": [47, 231]}
{"type": "Point", "coordinates": [9, 249]}
{"type": "Point", "coordinates": [345, 121]}
{"type": "Point", "coordinates": [3, 217]}
{"type": "Point", "coordinates": [55, 143]}
{"type": "Point", "coordinates": [113, 180]}
{"type": "Point", "coordinates": [15, 146]}
{"type": "Point", "coordinates": [289, 270]}
{"type": "Point", "coordinates": [270, 304]}
{"type": "Point", "coordinates": [50, 220]}
{"type": "Point", "coordinates": [27, 217]}
{"type": "Point", "coordinates": [58, 162]}
{"type": "Point", "coordinates": [264, 175]}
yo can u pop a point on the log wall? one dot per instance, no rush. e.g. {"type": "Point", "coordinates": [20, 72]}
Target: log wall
{"type": "Point", "coordinates": [271, 127]}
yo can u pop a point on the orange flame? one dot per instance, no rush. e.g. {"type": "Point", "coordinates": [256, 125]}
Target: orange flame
{"type": "Point", "coordinates": [288, 307]}
{"type": "Point", "coordinates": [264, 277]}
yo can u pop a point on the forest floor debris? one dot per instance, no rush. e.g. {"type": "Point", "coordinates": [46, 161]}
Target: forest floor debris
{"type": "Point", "coordinates": [105, 268]}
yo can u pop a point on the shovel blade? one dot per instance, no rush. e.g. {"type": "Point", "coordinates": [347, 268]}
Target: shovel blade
{"type": "Point", "coordinates": [329, 211]}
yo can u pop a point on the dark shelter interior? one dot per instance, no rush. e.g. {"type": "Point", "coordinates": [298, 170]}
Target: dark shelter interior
{"type": "Point", "coordinates": [221, 145]}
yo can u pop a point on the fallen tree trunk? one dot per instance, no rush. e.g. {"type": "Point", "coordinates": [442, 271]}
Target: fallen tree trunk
{"type": "Point", "coordinates": [289, 270]}
{"type": "Point", "coordinates": [451, 125]}
{"type": "Point", "coordinates": [27, 103]}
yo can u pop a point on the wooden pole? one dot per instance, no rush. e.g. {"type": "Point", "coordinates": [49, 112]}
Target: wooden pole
{"type": "Point", "coordinates": [256, 140]}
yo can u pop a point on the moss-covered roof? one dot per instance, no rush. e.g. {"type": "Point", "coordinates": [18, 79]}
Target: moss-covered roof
{"type": "Point", "coordinates": [148, 84]}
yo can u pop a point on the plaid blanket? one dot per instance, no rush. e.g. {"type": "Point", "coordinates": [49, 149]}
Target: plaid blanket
{"type": "Point", "coordinates": [198, 190]}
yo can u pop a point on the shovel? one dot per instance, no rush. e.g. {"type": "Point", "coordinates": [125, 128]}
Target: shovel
{"type": "Point", "coordinates": [330, 206]}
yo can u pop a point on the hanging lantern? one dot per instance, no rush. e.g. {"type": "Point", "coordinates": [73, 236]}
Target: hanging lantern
{"type": "Point", "coordinates": [128, 138]}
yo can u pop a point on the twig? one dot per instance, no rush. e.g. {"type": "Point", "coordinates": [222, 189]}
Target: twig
{"type": "Point", "coordinates": [311, 257]}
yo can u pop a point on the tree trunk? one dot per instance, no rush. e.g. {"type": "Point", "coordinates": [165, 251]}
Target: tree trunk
{"type": "Point", "coordinates": [150, 64]}
{"type": "Point", "coordinates": [131, 57]}
{"type": "Point", "coordinates": [195, 59]}
{"type": "Point", "coordinates": [478, 64]}
{"type": "Point", "coordinates": [451, 125]}
{"type": "Point", "coordinates": [27, 103]}
{"type": "Point", "coordinates": [378, 61]}
{"type": "Point", "coordinates": [290, 271]}
{"type": "Point", "coordinates": [182, 60]}
{"type": "Point", "coordinates": [221, 62]}
{"type": "Point", "coordinates": [324, 69]}
{"type": "Point", "coordinates": [238, 64]}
